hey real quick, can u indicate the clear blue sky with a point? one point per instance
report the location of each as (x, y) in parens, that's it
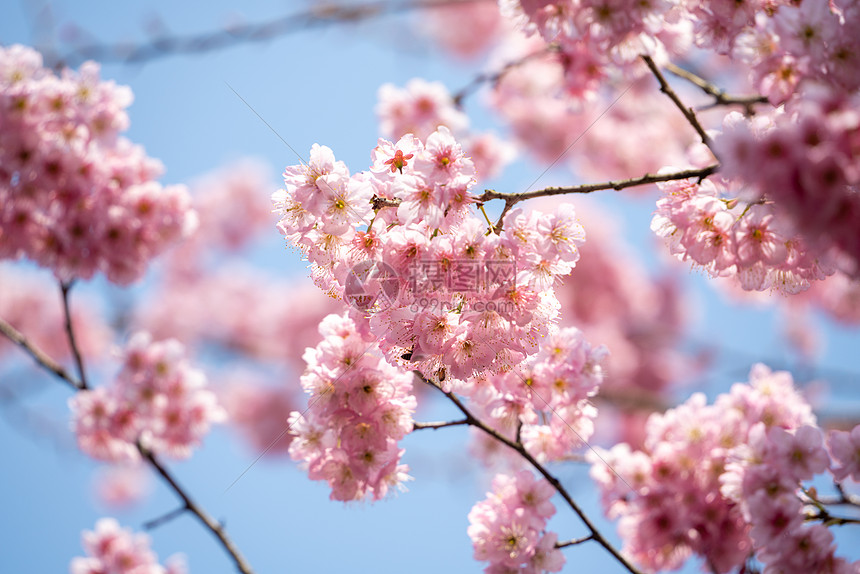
(311, 86)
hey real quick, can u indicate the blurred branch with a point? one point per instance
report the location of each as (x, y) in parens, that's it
(70, 334)
(320, 15)
(721, 98)
(188, 504)
(41, 358)
(494, 77)
(471, 420)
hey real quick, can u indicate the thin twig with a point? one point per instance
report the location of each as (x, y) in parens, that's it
(320, 15)
(475, 422)
(494, 77)
(574, 541)
(44, 360)
(70, 333)
(721, 98)
(688, 112)
(512, 199)
(165, 518)
(41, 358)
(438, 425)
(210, 523)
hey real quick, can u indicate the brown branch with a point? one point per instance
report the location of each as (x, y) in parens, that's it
(438, 425)
(44, 360)
(475, 422)
(688, 112)
(165, 518)
(721, 98)
(512, 199)
(70, 334)
(41, 358)
(188, 504)
(574, 541)
(320, 15)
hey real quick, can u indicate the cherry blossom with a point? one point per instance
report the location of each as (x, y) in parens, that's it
(157, 400)
(76, 196)
(114, 550)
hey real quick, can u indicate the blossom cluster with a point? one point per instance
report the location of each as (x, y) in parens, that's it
(358, 409)
(114, 550)
(723, 481)
(508, 528)
(763, 476)
(709, 224)
(441, 289)
(804, 160)
(157, 400)
(420, 107)
(546, 398)
(788, 45)
(75, 196)
(782, 43)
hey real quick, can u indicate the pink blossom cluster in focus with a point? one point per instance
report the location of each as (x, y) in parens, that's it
(466, 300)
(805, 162)
(359, 408)
(75, 196)
(114, 550)
(710, 224)
(508, 528)
(712, 478)
(157, 399)
(546, 398)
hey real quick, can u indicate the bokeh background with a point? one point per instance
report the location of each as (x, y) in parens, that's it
(319, 84)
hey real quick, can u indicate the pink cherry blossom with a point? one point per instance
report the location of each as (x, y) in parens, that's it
(157, 400)
(76, 196)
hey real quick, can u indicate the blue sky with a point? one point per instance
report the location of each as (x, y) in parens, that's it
(310, 86)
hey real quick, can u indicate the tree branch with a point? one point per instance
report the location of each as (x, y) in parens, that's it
(471, 420)
(688, 112)
(211, 524)
(165, 518)
(320, 15)
(721, 98)
(51, 365)
(512, 199)
(41, 358)
(574, 541)
(70, 334)
(494, 77)
(438, 425)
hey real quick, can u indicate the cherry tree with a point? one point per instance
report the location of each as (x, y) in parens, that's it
(521, 313)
